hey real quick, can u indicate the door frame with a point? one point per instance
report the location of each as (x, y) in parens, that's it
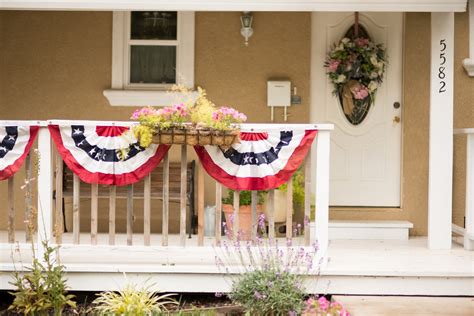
(315, 68)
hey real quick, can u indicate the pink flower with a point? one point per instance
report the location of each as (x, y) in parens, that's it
(361, 42)
(143, 112)
(257, 295)
(323, 303)
(360, 93)
(135, 115)
(333, 64)
(215, 115)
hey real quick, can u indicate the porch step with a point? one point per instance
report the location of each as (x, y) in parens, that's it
(365, 229)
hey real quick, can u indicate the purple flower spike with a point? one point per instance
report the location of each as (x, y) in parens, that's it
(306, 221)
(261, 221)
(257, 295)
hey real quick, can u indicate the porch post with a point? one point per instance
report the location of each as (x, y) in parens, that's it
(45, 189)
(469, 230)
(440, 182)
(322, 191)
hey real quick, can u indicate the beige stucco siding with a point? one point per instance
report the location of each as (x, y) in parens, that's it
(57, 64)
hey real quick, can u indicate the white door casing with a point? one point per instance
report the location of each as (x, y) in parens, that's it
(365, 159)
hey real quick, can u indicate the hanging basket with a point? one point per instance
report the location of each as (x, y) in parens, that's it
(202, 137)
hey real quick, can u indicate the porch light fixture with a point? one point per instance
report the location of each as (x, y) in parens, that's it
(246, 20)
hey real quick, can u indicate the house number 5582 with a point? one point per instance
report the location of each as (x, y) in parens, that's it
(442, 68)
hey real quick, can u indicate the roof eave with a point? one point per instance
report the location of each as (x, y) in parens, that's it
(241, 5)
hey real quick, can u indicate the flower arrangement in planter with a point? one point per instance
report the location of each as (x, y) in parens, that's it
(356, 67)
(192, 123)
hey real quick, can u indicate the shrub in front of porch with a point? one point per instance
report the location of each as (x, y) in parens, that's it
(43, 288)
(133, 300)
(269, 292)
(270, 280)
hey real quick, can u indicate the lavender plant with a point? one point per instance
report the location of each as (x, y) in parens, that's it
(267, 277)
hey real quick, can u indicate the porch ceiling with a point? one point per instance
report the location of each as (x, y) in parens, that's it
(242, 5)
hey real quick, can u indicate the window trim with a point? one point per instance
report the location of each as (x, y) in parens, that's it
(153, 94)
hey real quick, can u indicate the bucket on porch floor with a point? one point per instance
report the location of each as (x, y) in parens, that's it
(209, 221)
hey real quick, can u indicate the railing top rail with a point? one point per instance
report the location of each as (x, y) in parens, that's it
(459, 131)
(22, 123)
(244, 127)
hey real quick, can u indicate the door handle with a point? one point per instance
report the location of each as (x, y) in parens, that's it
(396, 119)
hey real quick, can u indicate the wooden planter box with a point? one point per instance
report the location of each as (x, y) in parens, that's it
(193, 136)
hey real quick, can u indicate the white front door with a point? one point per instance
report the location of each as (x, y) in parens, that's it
(365, 158)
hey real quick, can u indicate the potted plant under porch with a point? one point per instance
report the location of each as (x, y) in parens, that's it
(245, 211)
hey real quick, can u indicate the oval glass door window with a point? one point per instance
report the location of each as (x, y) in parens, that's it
(354, 110)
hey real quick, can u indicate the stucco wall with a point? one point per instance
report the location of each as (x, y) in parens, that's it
(56, 65)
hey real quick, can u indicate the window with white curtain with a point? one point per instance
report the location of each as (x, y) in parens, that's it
(151, 51)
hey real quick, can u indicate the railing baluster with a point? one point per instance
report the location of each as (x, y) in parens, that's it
(200, 205)
(59, 226)
(218, 224)
(289, 209)
(166, 200)
(11, 210)
(76, 209)
(183, 194)
(29, 224)
(235, 228)
(129, 214)
(94, 212)
(307, 198)
(271, 214)
(147, 210)
(254, 215)
(112, 204)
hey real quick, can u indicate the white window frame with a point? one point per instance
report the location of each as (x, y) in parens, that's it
(122, 92)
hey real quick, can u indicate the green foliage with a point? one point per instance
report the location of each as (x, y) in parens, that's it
(43, 288)
(245, 197)
(298, 189)
(268, 292)
(132, 300)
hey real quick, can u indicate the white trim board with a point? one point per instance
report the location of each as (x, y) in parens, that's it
(369, 230)
(242, 5)
(213, 283)
(120, 97)
(468, 63)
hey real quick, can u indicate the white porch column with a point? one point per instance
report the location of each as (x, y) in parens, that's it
(322, 190)
(469, 230)
(441, 131)
(45, 189)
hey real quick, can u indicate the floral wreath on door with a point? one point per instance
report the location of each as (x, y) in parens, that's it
(355, 66)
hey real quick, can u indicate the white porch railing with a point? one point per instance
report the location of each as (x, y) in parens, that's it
(50, 180)
(468, 231)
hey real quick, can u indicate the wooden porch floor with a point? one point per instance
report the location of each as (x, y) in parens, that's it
(382, 267)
